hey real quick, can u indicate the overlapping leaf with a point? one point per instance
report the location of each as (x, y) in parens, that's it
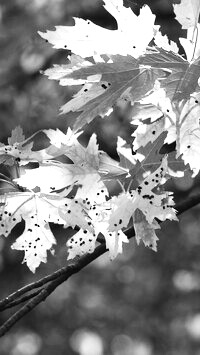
(37, 210)
(181, 124)
(89, 40)
(123, 78)
(187, 12)
(184, 75)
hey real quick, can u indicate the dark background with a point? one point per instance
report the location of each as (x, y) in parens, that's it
(143, 303)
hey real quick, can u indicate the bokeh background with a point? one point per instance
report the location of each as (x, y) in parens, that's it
(143, 303)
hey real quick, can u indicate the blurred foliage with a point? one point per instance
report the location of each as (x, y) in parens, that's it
(143, 303)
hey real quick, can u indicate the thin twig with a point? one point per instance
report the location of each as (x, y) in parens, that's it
(21, 300)
(32, 286)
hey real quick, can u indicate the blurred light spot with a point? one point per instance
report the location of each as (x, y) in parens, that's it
(124, 345)
(190, 227)
(85, 342)
(21, 102)
(186, 281)
(31, 62)
(91, 297)
(193, 326)
(126, 274)
(27, 344)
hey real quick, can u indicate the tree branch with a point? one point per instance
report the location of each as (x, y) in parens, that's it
(21, 300)
(48, 289)
(53, 280)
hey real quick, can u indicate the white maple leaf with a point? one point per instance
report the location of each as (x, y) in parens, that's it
(89, 156)
(187, 12)
(188, 135)
(19, 150)
(163, 42)
(109, 168)
(89, 40)
(81, 243)
(61, 140)
(54, 175)
(85, 241)
(191, 44)
(145, 231)
(114, 242)
(181, 124)
(125, 153)
(37, 210)
(17, 136)
(58, 72)
(153, 205)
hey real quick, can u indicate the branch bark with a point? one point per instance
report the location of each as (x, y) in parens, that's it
(45, 286)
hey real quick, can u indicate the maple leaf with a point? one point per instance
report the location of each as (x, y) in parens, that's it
(191, 44)
(89, 156)
(81, 243)
(152, 205)
(114, 242)
(127, 158)
(54, 175)
(86, 174)
(122, 78)
(19, 150)
(187, 12)
(188, 134)
(145, 231)
(182, 125)
(183, 78)
(37, 210)
(164, 43)
(84, 241)
(89, 40)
